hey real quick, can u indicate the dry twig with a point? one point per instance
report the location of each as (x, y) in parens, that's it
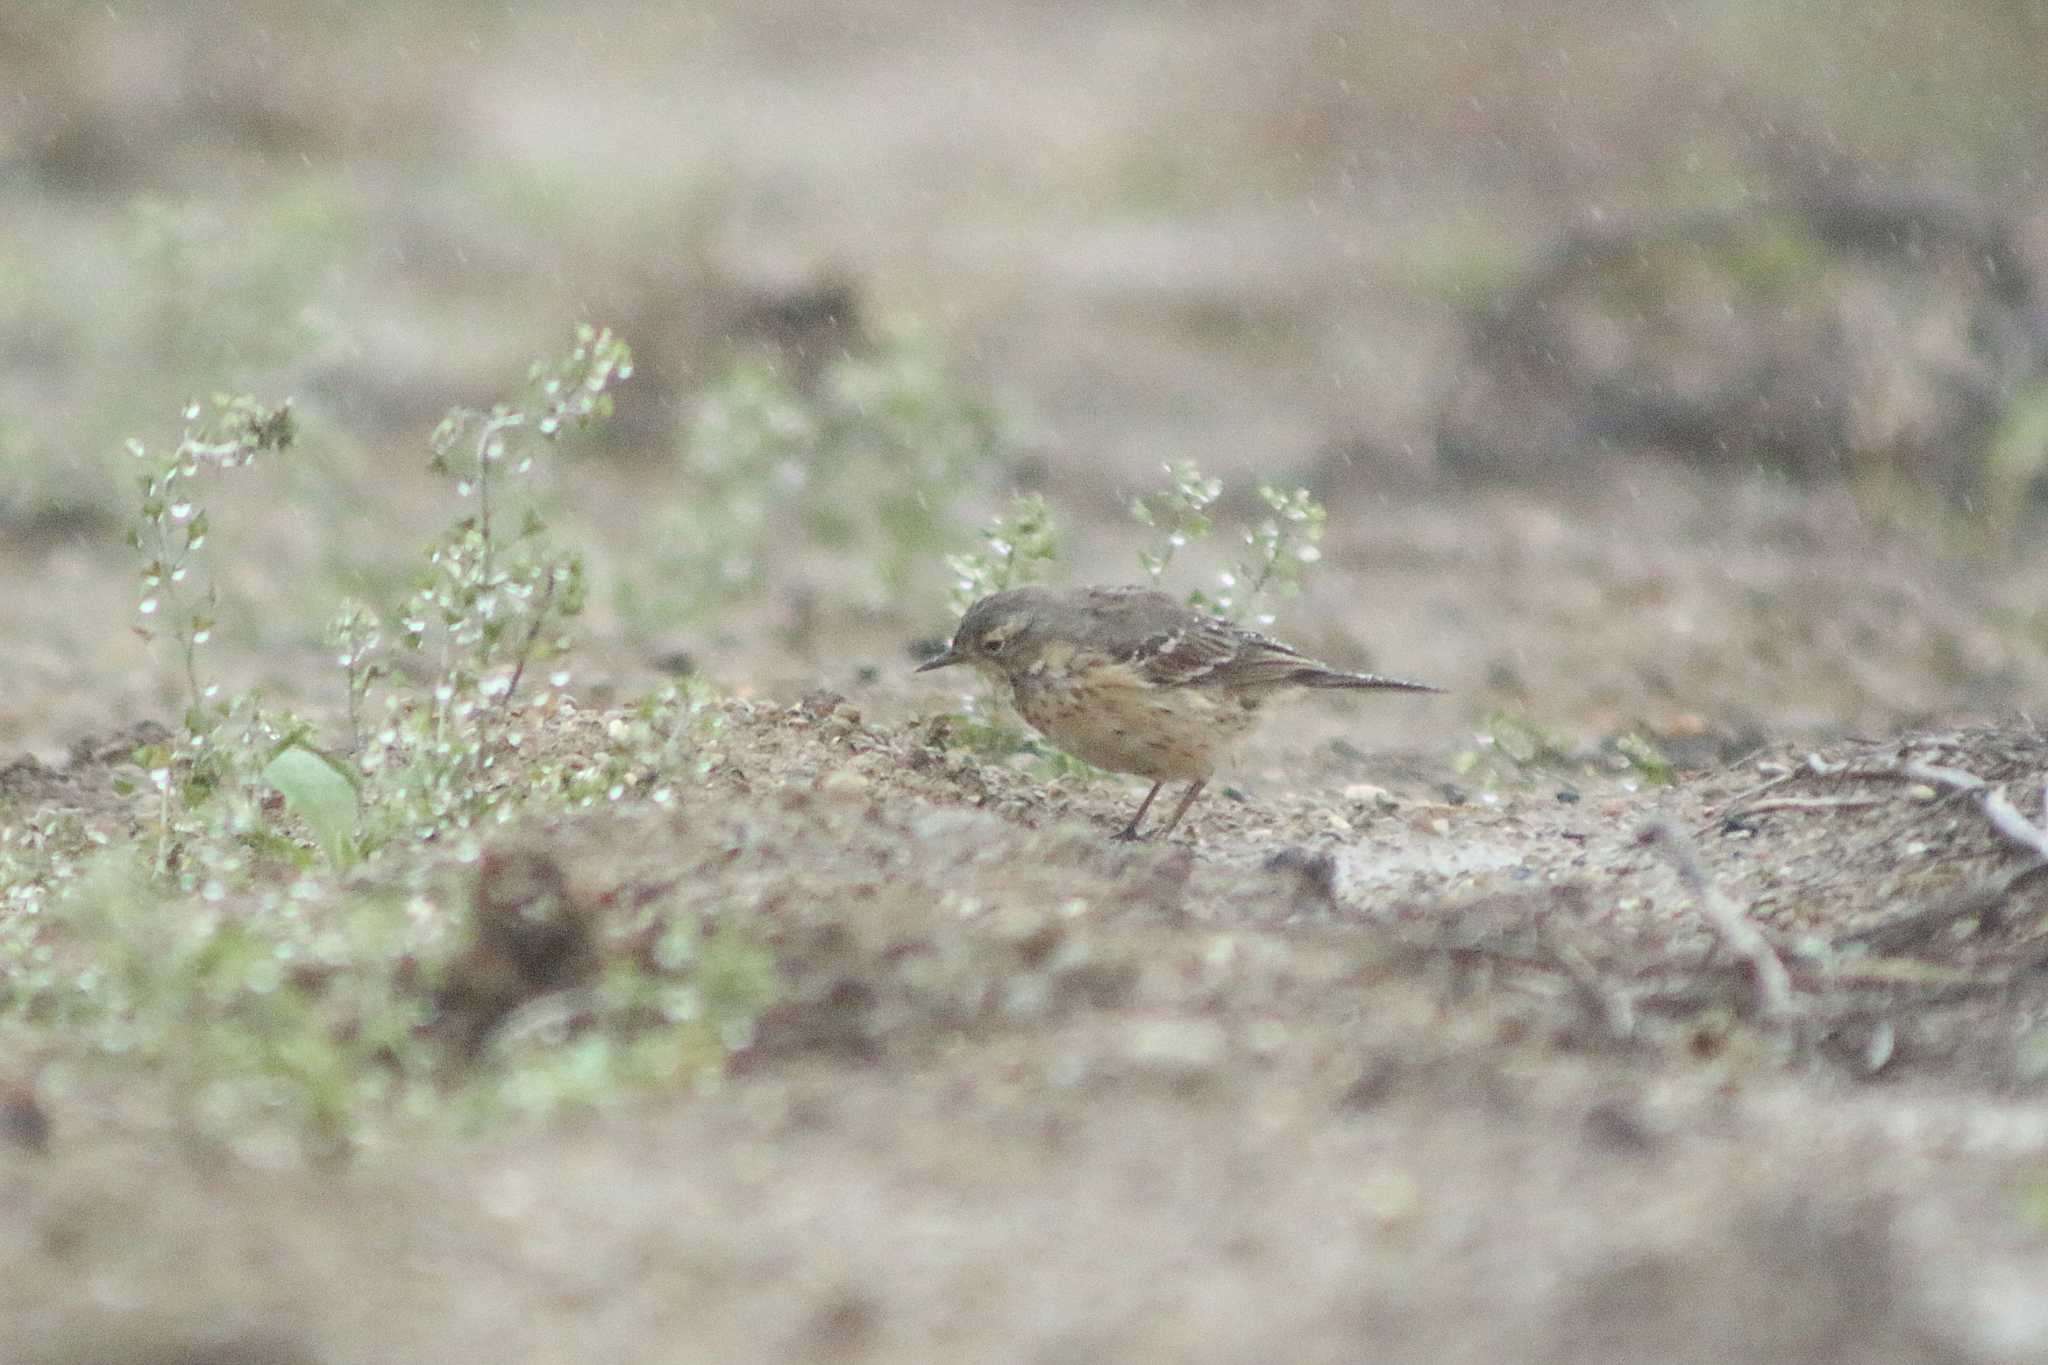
(2004, 818)
(1771, 803)
(1768, 977)
(1611, 1005)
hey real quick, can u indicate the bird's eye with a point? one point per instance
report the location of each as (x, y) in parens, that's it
(995, 644)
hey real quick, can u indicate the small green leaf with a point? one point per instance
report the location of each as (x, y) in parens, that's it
(1646, 759)
(317, 790)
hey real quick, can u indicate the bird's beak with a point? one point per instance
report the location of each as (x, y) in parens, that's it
(947, 660)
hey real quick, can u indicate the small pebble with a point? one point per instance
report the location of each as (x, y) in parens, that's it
(1175, 1049)
(844, 784)
(1389, 1196)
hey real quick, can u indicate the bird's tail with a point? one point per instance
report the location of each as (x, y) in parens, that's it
(1330, 677)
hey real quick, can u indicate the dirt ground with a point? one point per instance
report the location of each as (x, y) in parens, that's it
(1409, 1045)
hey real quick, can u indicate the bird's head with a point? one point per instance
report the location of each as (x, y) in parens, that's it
(997, 633)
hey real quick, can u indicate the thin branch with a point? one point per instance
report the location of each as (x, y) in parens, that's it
(493, 429)
(1771, 803)
(540, 618)
(1768, 977)
(1606, 1002)
(1986, 904)
(2003, 815)
(2006, 819)
(1936, 775)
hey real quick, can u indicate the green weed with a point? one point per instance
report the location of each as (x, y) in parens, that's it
(1016, 549)
(865, 469)
(213, 948)
(1275, 550)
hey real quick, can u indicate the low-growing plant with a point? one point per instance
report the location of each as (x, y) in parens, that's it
(356, 634)
(294, 1017)
(1513, 744)
(1514, 749)
(1276, 550)
(866, 468)
(1179, 513)
(216, 756)
(263, 1024)
(497, 600)
(1016, 549)
(669, 1019)
(269, 999)
(172, 527)
(1641, 756)
(492, 604)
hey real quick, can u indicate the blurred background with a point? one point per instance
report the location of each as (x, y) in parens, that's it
(1680, 369)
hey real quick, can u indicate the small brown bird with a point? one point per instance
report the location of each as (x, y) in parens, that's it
(1134, 681)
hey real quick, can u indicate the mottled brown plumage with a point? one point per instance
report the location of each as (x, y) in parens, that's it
(1131, 680)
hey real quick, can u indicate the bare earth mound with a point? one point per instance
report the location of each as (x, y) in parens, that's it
(1475, 1082)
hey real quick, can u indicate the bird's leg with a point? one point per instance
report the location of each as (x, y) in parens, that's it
(1194, 790)
(1129, 833)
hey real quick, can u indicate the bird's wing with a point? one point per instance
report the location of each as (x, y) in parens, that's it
(1201, 650)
